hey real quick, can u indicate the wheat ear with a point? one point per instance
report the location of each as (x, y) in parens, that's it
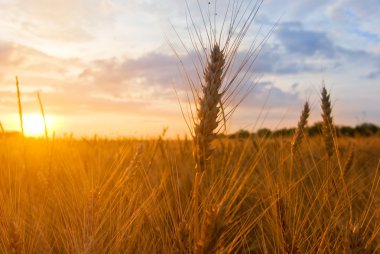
(207, 108)
(327, 124)
(299, 134)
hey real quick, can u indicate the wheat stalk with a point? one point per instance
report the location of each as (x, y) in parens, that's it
(19, 106)
(43, 114)
(90, 220)
(289, 244)
(182, 237)
(2, 129)
(15, 241)
(212, 228)
(349, 163)
(357, 241)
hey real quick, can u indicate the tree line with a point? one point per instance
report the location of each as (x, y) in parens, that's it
(361, 130)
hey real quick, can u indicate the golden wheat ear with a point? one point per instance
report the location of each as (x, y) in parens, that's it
(299, 134)
(327, 124)
(207, 109)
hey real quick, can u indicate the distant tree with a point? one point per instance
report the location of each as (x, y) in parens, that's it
(315, 129)
(243, 134)
(264, 132)
(285, 132)
(346, 131)
(366, 129)
(222, 135)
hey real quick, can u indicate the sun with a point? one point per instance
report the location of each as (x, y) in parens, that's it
(34, 125)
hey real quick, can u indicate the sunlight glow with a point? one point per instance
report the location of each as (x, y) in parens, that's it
(34, 125)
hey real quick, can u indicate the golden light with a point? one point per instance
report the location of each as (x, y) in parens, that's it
(34, 125)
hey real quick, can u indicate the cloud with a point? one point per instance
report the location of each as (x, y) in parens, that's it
(299, 50)
(294, 50)
(138, 86)
(273, 60)
(266, 92)
(302, 7)
(297, 40)
(152, 74)
(5, 53)
(360, 17)
(373, 74)
(350, 8)
(20, 60)
(64, 27)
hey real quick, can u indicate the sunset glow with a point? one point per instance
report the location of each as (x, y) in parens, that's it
(34, 125)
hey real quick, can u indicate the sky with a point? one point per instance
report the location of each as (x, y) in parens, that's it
(121, 67)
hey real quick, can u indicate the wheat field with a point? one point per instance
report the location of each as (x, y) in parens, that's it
(203, 193)
(137, 196)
